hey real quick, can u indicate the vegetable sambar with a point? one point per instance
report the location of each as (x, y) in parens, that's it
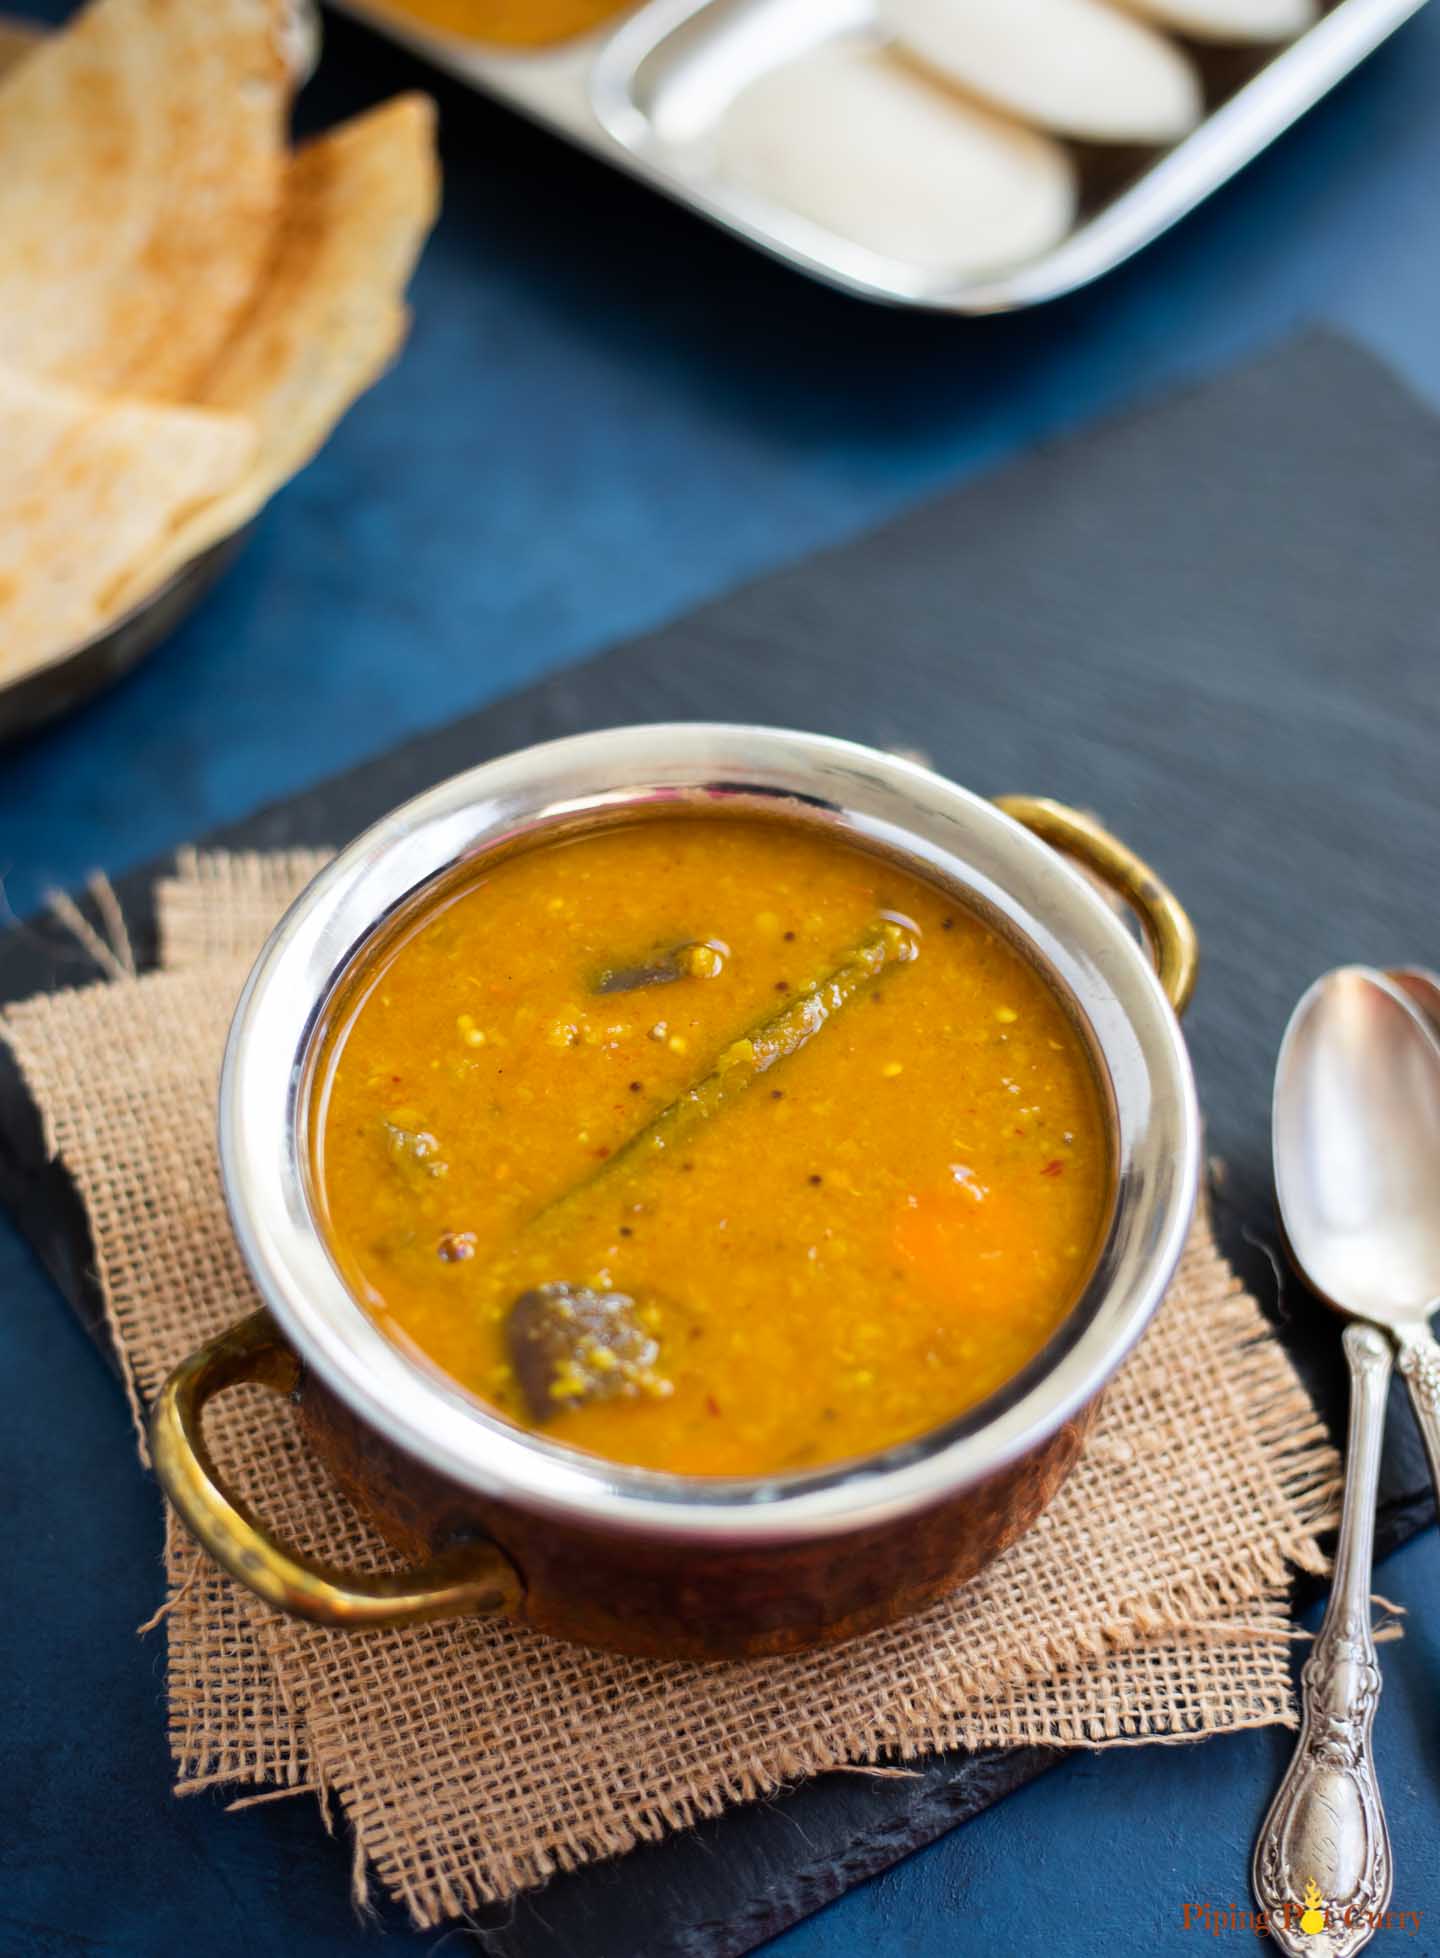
(713, 1145)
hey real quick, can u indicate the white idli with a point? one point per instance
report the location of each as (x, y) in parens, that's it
(877, 153)
(1077, 67)
(1231, 20)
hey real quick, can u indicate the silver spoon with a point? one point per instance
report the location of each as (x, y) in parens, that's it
(1356, 1140)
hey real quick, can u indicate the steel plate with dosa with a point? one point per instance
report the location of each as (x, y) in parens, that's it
(167, 365)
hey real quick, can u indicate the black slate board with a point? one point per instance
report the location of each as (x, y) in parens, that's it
(1217, 622)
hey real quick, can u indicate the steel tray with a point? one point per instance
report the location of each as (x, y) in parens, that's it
(642, 93)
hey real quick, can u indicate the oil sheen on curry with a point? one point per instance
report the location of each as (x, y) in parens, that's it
(712, 1145)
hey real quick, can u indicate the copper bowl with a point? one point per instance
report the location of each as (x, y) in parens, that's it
(493, 1519)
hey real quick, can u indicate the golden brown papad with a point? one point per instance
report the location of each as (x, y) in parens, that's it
(142, 155)
(326, 317)
(88, 486)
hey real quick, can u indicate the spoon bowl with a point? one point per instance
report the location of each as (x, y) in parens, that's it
(1357, 1146)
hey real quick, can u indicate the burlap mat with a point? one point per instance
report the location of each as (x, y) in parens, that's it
(473, 1759)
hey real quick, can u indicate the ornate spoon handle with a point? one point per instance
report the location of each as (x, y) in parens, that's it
(1322, 1861)
(1419, 1362)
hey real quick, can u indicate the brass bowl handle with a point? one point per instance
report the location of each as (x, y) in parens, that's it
(474, 1576)
(1168, 930)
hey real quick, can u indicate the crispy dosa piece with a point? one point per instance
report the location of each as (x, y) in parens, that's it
(88, 486)
(327, 315)
(142, 156)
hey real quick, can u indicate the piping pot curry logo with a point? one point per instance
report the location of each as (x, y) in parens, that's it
(1311, 1915)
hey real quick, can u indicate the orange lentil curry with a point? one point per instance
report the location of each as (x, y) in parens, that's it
(511, 23)
(713, 1145)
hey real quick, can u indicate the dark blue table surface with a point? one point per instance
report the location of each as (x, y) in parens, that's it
(606, 414)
